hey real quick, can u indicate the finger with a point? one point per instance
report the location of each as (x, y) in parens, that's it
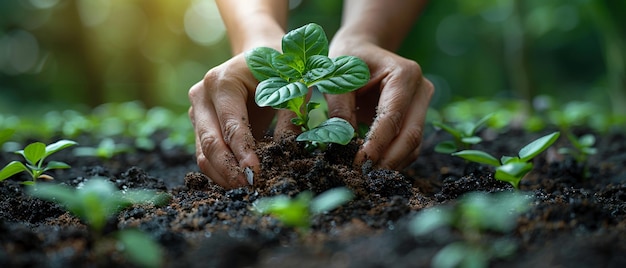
(284, 127)
(232, 115)
(342, 106)
(397, 92)
(404, 149)
(215, 158)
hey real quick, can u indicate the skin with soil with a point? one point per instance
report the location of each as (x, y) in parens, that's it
(573, 221)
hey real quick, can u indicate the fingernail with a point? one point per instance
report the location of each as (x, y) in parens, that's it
(249, 175)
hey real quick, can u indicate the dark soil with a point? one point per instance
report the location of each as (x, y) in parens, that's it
(573, 221)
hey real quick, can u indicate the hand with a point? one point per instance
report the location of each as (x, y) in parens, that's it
(396, 97)
(220, 105)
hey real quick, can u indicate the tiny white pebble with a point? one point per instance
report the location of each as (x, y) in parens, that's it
(249, 175)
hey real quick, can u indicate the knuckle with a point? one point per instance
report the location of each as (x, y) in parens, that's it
(414, 137)
(208, 142)
(428, 88)
(395, 120)
(230, 128)
(410, 68)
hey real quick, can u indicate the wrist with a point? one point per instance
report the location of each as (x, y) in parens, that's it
(263, 34)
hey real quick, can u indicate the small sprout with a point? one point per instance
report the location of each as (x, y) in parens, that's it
(582, 149)
(285, 79)
(464, 135)
(475, 215)
(106, 149)
(510, 168)
(96, 202)
(297, 212)
(35, 154)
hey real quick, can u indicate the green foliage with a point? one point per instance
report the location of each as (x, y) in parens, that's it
(107, 148)
(464, 135)
(96, 202)
(35, 154)
(511, 168)
(5, 135)
(128, 121)
(285, 79)
(297, 212)
(582, 148)
(140, 248)
(474, 216)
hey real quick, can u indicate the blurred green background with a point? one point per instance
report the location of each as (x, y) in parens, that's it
(78, 54)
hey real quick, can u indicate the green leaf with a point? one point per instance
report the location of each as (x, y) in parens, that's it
(53, 192)
(471, 140)
(57, 146)
(305, 42)
(587, 140)
(318, 67)
(480, 123)
(350, 74)
(311, 106)
(335, 130)
(478, 157)
(140, 248)
(56, 165)
(430, 219)
(11, 169)
(513, 172)
(276, 91)
(330, 200)
(292, 212)
(588, 150)
(289, 66)
(509, 159)
(446, 147)
(534, 148)
(454, 132)
(260, 62)
(33, 152)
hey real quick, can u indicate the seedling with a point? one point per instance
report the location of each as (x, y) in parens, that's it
(464, 135)
(35, 154)
(285, 79)
(96, 202)
(107, 148)
(297, 212)
(474, 216)
(512, 168)
(582, 149)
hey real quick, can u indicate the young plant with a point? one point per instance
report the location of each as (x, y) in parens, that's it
(475, 216)
(512, 168)
(297, 212)
(464, 135)
(106, 149)
(35, 154)
(582, 149)
(96, 202)
(285, 79)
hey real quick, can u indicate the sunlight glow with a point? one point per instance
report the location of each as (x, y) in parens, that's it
(203, 23)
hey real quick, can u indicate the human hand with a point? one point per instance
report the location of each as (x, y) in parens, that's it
(396, 97)
(220, 108)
